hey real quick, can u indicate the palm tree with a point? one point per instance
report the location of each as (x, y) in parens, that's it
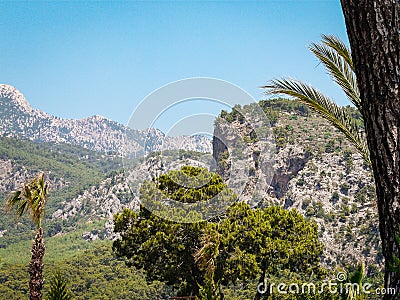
(336, 57)
(32, 198)
(353, 290)
(206, 257)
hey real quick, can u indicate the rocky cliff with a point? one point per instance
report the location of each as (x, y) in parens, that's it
(317, 172)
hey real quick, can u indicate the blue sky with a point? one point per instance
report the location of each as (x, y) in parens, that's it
(76, 59)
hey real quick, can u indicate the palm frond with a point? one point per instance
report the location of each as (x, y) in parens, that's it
(39, 198)
(336, 58)
(23, 206)
(321, 104)
(358, 275)
(336, 44)
(32, 198)
(206, 256)
(16, 202)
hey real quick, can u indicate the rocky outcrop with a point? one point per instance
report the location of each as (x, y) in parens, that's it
(11, 98)
(13, 176)
(100, 202)
(117, 192)
(318, 173)
(289, 161)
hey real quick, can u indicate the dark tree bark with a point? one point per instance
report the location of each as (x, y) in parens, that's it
(36, 267)
(262, 283)
(373, 27)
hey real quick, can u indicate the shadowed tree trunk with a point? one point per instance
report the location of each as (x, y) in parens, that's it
(373, 27)
(264, 291)
(36, 267)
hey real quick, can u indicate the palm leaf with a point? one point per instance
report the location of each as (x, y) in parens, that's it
(16, 202)
(39, 198)
(336, 44)
(321, 104)
(336, 58)
(23, 206)
(206, 256)
(32, 198)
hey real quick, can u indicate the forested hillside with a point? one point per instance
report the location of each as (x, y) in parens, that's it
(70, 170)
(319, 173)
(316, 172)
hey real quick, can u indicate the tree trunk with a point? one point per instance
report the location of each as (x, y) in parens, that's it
(373, 27)
(36, 267)
(265, 287)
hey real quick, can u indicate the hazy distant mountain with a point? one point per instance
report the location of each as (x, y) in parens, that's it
(18, 119)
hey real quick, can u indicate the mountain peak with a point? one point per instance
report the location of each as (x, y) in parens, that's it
(96, 118)
(18, 119)
(10, 93)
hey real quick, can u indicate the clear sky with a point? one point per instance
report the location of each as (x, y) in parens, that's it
(76, 59)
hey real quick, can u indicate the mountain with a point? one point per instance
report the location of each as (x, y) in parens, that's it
(81, 158)
(18, 119)
(315, 171)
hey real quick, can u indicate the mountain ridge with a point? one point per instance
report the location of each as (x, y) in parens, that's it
(18, 119)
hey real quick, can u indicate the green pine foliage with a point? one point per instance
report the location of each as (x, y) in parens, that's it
(267, 241)
(80, 167)
(58, 287)
(200, 258)
(58, 248)
(164, 248)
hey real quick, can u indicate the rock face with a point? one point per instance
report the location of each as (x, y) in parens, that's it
(245, 163)
(18, 119)
(320, 174)
(13, 176)
(13, 98)
(289, 162)
(117, 192)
